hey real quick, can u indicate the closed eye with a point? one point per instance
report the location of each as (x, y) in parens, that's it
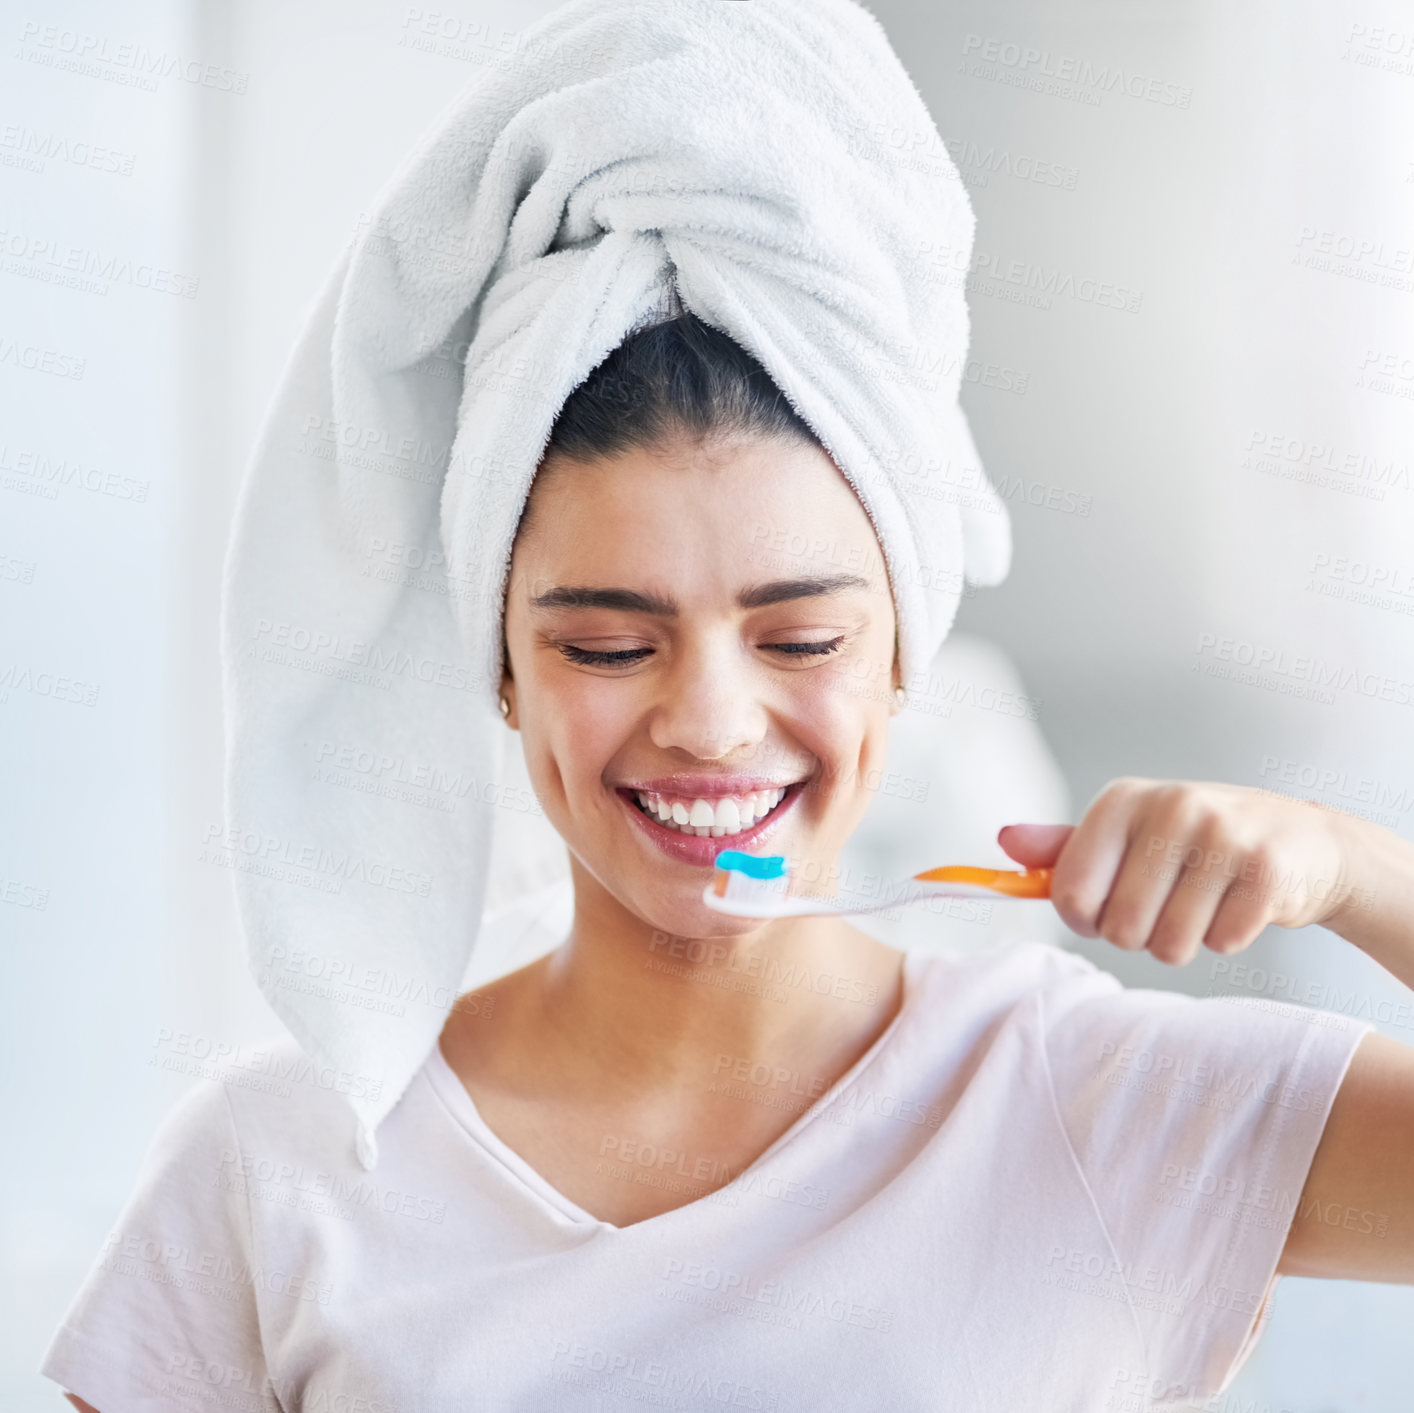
(602, 659)
(629, 655)
(803, 649)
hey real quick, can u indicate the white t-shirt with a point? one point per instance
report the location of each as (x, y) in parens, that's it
(1037, 1190)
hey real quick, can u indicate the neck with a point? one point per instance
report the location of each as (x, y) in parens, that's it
(622, 1006)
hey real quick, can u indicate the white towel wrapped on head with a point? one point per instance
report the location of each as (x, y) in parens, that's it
(767, 165)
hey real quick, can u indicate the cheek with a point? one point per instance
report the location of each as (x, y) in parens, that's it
(849, 709)
(569, 741)
(866, 672)
(848, 733)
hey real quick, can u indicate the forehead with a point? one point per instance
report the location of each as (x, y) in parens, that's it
(746, 508)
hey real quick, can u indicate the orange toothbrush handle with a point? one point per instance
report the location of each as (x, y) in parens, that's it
(1033, 883)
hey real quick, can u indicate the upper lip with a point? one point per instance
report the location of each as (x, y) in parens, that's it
(708, 787)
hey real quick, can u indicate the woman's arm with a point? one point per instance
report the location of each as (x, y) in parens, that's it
(1378, 914)
(1356, 1216)
(80, 1404)
(1172, 866)
(1355, 1219)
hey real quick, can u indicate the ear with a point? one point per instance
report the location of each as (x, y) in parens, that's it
(508, 695)
(507, 691)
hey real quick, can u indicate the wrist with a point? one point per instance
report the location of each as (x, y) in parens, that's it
(1372, 904)
(1355, 889)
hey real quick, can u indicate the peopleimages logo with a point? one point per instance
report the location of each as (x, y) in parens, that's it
(36, 359)
(171, 1263)
(318, 650)
(81, 52)
(748, 1288)
(1217, 1079)
(220, 1059)
(233, 841)
(1304, 459)
(56, 261)
(33, 149)
(1328, 780)
(1275, 664)
(385, 983)
(1028, 67)
(356, 1191)
(21, 677)
(629, 1375)
(46, 474)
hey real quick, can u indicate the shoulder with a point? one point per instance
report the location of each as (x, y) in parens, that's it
(259, 1092)
(1084, 1020)
(1011, 977)
(992, 1005)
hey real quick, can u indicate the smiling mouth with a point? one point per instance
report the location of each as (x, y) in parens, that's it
(704, 819)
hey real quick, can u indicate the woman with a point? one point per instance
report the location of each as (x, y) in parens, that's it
(697, 1160)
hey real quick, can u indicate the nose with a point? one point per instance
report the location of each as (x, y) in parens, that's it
(709, 704)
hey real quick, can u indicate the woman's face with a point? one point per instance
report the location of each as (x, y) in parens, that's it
(699, 623)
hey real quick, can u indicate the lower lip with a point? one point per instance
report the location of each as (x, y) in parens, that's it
(702, 849)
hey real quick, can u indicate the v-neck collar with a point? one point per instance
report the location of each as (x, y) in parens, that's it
(454, 1094)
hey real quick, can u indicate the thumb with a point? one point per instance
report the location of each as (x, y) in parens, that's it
(1034, 845)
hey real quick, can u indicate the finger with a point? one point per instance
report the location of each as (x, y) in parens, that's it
(1145, 881)
(1086, 866)
(1242, 915)
(1034, 845)
(1183, 921)
(1136, 898)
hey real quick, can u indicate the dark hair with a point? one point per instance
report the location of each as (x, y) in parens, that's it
(681, 377)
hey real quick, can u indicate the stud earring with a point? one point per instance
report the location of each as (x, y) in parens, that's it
(506, 707)
(900, 696)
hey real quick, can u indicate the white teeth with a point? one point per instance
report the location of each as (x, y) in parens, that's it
(729, 815)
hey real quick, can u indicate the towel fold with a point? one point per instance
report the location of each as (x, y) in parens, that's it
(765, 164)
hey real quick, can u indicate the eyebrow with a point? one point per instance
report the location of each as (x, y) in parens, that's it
(661, 606)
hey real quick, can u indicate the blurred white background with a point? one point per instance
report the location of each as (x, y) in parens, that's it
(1218, 473)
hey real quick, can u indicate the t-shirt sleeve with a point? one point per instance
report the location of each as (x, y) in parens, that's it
(167, 1317)
(1194, 1123)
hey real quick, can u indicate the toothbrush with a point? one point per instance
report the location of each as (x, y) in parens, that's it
(752, 885)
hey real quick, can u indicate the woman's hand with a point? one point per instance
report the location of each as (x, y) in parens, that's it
(1174, 865)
